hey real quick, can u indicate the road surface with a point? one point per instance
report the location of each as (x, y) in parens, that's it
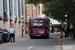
(53, 43)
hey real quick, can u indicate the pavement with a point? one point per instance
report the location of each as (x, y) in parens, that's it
(17, 39)
(35, 44)
(65, 43)
(68, 44)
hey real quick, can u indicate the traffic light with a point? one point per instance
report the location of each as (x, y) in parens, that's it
(65, 15)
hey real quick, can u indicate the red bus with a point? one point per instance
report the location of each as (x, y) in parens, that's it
(39, 27)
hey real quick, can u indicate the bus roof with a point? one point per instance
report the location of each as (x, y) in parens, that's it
(38, 18)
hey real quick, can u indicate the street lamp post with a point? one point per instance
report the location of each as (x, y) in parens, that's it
(22, 25)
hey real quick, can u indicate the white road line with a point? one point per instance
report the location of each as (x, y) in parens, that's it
(30, 47)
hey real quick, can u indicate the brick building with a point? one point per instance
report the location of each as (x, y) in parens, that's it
(32, 11)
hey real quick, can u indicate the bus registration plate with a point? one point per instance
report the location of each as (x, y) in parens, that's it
(39, 35)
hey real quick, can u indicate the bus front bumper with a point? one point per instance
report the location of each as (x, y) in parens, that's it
(39, 35)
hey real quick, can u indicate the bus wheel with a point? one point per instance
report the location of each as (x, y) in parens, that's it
(47, 37)
(31, 37)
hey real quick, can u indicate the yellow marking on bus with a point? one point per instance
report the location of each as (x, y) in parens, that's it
(38, 35)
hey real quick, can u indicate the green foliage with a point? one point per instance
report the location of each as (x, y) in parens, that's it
(56, 9)
(73, 0)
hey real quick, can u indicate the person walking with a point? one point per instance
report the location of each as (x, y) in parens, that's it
(11, 31)
(71, 30)
(68, 30)
(26, 31)
(50, 29)
(65, 30)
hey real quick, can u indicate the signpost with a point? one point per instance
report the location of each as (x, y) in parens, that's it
(11, 24)
(22, 25)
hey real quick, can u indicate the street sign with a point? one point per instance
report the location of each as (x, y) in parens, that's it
(11, 24)
(23, 27)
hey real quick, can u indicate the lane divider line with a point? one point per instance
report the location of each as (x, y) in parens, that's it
(59, 44)
(30, 47)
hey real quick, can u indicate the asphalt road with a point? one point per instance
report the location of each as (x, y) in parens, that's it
(36, 44)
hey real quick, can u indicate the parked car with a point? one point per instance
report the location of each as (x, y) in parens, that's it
(5, 35)
(0, 38)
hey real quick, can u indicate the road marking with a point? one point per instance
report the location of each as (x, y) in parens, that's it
(25, 39)
(59, 45)
(30, 47)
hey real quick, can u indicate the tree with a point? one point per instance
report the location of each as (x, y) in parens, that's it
(56, 8)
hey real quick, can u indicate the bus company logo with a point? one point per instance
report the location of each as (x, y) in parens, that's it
(35, 31)
(41, 31)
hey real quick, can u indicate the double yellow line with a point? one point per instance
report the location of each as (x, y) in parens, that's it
(59, 44)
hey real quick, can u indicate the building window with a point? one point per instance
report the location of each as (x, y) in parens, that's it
(15, 8)
(5, 8)
(10, 7)
(22, 8)
(19, 8)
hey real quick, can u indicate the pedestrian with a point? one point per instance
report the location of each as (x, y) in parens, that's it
(65, 30)
(26, 31)
(62, 34)
(50, 29)
(68, 30)
(71, 30)
(12, 35)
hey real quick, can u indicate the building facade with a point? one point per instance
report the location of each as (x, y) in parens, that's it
(16, 13)
(32, 11)
(11, 12)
